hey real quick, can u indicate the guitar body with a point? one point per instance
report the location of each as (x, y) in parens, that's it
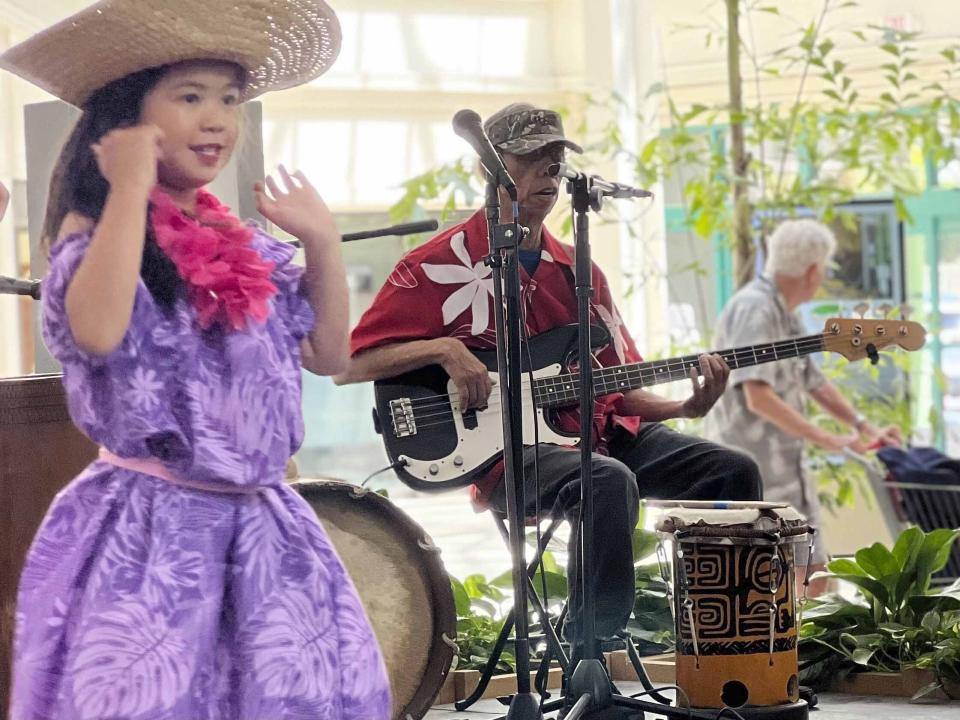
(419, 416)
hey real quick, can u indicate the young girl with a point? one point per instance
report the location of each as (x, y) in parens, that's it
(177, 577)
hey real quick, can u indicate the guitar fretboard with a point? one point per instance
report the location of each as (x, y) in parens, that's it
(564, 389)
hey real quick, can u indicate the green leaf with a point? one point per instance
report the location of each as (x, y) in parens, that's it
(835, 612)
(478, 588)
(933, 555)
(845, 566)
(556, 583)
(644, 544)
(460, 597)
(868, 585)
(893, 628)
(927, 690)
(931, 621)
(907, 546)
(655, 88)
(827, 309)
(902, 212)
(877, 561)
(646, 155)
(550, 563)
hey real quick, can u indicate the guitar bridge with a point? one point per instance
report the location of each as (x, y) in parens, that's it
(404, 422)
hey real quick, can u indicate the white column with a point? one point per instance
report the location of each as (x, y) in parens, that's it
(636, 68)
(10, 151)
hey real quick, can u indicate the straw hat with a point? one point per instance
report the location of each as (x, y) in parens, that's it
(281, 43)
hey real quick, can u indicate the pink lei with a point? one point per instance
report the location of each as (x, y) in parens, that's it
(227, 280)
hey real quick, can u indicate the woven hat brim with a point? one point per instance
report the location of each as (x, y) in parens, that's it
(280, 43)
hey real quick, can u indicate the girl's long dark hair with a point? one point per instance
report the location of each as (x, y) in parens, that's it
(77, 185)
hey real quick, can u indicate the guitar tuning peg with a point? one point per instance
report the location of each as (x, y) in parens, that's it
(885, 309)
(905, 312)
(861, 309)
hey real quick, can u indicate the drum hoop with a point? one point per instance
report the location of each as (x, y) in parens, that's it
(737, 534)
(701, 540)
(441, 654)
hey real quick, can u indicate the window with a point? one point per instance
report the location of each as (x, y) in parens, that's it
(379, 117)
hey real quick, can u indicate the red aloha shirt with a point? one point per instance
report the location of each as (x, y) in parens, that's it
(443, 289)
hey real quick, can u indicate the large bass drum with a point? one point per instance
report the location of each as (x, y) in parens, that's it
(402, 583)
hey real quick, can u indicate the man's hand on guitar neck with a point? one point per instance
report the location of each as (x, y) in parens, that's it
(654, 408)
(715, 373)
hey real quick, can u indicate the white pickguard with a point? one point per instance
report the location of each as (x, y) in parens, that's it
(476, 445)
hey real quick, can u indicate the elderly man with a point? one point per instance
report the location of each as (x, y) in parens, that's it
(763, 414)
(449, 287)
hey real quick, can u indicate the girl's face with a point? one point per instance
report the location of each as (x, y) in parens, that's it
(197, 105)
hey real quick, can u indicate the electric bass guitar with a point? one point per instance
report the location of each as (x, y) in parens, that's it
(437, 446)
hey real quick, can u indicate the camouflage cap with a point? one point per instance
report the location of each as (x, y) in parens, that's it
(521, 128)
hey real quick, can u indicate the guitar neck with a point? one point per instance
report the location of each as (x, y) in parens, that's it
(563, 389)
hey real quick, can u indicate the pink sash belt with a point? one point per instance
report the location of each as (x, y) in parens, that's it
(155, 468)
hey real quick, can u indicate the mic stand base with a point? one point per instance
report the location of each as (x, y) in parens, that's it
(592, 688)
(524, 706)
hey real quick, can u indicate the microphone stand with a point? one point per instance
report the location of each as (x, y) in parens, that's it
(589, 684)
(504, 240)
(590, 687)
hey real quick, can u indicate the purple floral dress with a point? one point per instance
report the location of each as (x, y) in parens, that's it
(145, 600)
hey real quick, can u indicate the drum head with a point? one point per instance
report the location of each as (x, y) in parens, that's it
(401, 582)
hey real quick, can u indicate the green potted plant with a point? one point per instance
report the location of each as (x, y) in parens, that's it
(895, 624)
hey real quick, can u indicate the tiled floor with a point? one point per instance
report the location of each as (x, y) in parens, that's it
(832, 707)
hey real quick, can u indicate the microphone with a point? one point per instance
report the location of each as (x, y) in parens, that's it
(467, 124)
(615, 190)
(12, 286)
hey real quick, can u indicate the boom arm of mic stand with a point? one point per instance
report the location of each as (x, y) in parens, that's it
(31, 288)
(402, 229)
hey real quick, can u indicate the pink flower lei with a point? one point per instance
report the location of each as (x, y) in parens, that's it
(227, 280)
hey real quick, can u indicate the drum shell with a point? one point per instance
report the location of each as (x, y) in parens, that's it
(401, 582)
(729, 586)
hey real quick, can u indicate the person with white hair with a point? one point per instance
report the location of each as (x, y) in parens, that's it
(762, 413)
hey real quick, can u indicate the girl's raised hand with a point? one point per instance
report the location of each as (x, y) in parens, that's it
(128, 157)
(297, 208)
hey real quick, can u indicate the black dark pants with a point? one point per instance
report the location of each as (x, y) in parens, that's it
(658, 463)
